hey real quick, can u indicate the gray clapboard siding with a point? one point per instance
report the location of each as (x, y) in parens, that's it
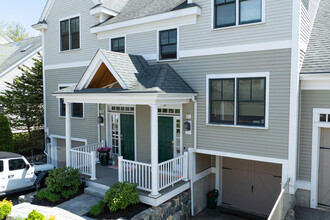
(309, 100)
(89, 43)
(188, 139)
(81, 128)
(143, 133)
(277, 27)
(142, 43)
(270, 143)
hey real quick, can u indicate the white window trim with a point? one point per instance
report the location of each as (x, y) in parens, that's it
(177, 44)
(114, 37)
(236, 76)
(59, 103)
(263, 16)
(59, 33)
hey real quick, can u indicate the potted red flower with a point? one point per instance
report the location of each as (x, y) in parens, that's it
(104, 155)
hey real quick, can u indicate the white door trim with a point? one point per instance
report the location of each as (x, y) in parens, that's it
(317, 125)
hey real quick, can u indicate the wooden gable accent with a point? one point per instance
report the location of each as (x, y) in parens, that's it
(103, 78)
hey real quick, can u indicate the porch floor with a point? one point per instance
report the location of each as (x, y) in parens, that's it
(106, 175)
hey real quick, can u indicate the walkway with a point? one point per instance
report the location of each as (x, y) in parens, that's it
(73, 209)
(302, 213)
(215, 214)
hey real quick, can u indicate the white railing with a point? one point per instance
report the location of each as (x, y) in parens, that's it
(91, 147)
(135, 172)
(169, 172)
(283, 203)
(172, 171)
(84, 161)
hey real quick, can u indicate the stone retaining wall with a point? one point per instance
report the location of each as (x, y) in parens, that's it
(177, 208)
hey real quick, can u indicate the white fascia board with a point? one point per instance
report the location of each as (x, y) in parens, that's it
(21, 61)
(40, 27)
(149, 19)
(46, 10)
(92, 69)
(102, 10)
(319, 76)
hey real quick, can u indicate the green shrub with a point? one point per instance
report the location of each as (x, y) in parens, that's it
(120, 195)
(18, 218)
(6, 137)
(34, 215)
(5, 208)
(97, 208)
(64, 181)
(46, 194)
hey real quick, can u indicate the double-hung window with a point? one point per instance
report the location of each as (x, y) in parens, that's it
(236, 12)
(237, 101)
(118, 44)
(77, 109)
(70, 34)
(168, 44)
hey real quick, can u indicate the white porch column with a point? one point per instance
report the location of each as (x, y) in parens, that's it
(68, 131)
(154, 150)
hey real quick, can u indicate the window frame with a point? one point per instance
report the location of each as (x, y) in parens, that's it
(59, 103)
(237, 76)
(177, 44)
(117, 38)
(60, 36)
(237, 23)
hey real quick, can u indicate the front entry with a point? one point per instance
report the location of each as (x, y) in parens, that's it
(165, 138)
(127, 136)
(324, 168)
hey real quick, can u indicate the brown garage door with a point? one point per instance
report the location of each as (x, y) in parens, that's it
(250, 186)
(61, 153)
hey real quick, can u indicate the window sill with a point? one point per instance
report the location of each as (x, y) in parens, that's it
(237, 26)
(68, 51)
(73, 117)
(236, 126)
(169, 60)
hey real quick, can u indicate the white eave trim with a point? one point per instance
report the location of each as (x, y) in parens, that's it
(46, 10)
(102, 10)
(149, 19)
(315, 76)
(40, 27)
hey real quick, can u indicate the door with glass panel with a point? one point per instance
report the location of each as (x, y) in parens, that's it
(115, 133)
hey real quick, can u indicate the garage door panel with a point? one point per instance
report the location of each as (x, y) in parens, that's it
(266, 191)
(61, 150)
(237, 164)
(268, 168)
(237, 189)
(324, 177)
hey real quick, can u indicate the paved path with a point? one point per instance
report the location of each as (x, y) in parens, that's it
(215, 214)
(73, 209)
(302, 213)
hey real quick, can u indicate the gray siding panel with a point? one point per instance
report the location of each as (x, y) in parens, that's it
(89, 43)
(188, 139)
(309, 100)
(277, 27)
(81, 128)
(142, 43)
(143, 133)
(269, 143)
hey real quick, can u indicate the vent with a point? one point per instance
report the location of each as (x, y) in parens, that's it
(27, 47)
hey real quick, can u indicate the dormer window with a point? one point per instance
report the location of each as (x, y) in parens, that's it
(236, 12)
(70, 34)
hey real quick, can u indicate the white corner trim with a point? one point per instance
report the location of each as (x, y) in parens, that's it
(274, 45)
(305, 185)
(29, 56)
(238, 76)
(66, 65)
(92, 69)
(149, 19)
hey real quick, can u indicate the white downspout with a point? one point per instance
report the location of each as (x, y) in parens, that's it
(195, 122)
(192, 163)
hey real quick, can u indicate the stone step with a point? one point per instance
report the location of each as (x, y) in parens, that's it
(95, 191)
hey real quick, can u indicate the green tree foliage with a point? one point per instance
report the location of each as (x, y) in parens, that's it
(15, 31)
(6, 137)
(23, 100)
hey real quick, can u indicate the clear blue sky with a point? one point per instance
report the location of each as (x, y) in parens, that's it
(26, 12)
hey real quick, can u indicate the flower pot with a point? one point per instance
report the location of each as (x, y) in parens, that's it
(104, 158)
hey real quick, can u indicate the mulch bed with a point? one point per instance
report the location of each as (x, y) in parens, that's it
(45, 202)
(127, 213)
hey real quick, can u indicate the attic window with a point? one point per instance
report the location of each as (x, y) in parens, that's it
(27, 47)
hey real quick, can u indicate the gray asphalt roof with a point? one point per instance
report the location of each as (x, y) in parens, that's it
(141, 8)
(115, 5)
(317, 58)
(139, 76)
(11, 53)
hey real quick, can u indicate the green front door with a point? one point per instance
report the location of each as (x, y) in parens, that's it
(165, 138)
(127, 136)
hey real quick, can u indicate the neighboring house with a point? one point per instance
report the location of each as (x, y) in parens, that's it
(4, 39)
(197, 94)
(14, 55)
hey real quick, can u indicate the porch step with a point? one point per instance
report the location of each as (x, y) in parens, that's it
(96, 189)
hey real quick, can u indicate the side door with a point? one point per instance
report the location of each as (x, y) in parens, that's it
(165, 138)
(19, 176)
(127, 136)
(3, 177)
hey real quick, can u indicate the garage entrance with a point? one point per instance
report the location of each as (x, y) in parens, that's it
(324, 169)
(250, 186)
(60, 150)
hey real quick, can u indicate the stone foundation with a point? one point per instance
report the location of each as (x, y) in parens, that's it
(178, 208)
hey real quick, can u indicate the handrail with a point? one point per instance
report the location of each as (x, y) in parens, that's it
(282, 204)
